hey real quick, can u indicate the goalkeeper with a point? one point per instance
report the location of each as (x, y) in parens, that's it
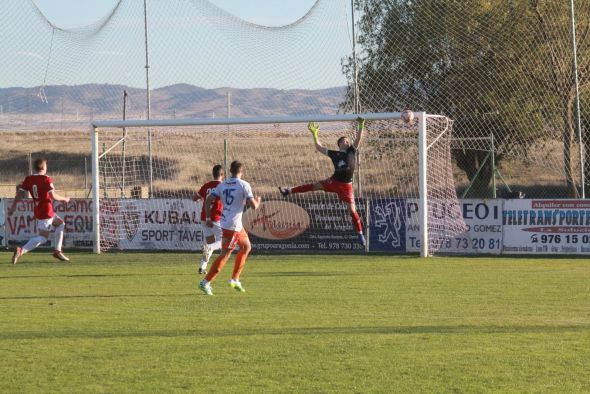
(344, 160)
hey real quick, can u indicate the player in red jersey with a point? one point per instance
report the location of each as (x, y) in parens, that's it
(41, 188)
(212, 234)
(344, 160)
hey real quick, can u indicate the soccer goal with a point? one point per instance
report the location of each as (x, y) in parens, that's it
(146, 172)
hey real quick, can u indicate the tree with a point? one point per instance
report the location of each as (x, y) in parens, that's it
(552, 22)
(480, 62)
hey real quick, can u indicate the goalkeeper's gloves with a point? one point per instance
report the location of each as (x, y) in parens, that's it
(314, 128)
(361, 122)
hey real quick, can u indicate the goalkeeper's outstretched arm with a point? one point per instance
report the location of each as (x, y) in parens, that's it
(314, 128)
(359, 133)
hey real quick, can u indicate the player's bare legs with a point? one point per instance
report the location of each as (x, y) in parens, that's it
(311, 187)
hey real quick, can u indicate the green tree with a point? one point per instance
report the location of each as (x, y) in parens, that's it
(480, 62)
(552, 25)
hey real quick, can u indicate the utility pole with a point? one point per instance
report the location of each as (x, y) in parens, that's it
(148, 99)
(577, 82)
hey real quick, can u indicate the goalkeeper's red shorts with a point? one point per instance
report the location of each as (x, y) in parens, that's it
(343, 189)
(232, 238)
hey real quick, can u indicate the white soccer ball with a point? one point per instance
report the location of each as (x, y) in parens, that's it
(407, 116)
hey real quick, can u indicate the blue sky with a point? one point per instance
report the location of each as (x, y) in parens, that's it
(76, 13)
(189, 43)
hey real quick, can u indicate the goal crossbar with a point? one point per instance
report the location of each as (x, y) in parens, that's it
(253, 120)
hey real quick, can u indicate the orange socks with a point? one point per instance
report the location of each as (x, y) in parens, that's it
(217, 266)
(239, 264)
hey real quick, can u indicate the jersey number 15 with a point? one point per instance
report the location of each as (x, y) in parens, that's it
(228, 194)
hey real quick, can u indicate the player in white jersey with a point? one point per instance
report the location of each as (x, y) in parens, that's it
(235, 194)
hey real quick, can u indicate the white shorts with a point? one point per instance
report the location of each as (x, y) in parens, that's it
(212, 231)
(45, 224)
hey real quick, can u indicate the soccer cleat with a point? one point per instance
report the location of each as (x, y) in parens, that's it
(362, 240)
(285, 191)
(60, 256)
(205, 287)
(202, 271)
(237, 285)
(17, 253)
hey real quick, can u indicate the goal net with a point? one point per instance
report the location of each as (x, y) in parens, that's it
(148, 172)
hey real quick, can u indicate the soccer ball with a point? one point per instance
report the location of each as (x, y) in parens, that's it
(407, 116)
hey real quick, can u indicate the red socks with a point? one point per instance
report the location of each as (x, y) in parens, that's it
(356, 222)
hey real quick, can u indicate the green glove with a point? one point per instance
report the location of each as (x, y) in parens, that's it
(361, 122)
(314, 128)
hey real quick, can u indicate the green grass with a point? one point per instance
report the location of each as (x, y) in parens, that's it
(137, 323)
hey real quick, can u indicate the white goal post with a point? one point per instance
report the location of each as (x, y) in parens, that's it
(424, 142)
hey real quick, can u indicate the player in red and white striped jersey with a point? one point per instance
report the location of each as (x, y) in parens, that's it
(41, 188)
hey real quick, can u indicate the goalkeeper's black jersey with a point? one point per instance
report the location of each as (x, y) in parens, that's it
(344, 163)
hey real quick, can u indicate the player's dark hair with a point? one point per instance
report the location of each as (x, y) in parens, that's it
(341, 139)
(38, 164)
(235, 167)
(217, 169)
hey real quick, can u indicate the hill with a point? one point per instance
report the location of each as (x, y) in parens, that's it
(60, 106)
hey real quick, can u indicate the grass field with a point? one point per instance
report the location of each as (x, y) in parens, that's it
(137, 323)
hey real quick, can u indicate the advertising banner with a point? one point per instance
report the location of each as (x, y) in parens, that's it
(308, 225)
(303, 225)
(77, 216)
(546, 226)
(158, 224)
(387, 225)
(483, 220)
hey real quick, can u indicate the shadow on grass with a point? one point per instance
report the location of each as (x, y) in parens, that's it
(158, 274)
(245, 332)
(258, 274)
(66, 297)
